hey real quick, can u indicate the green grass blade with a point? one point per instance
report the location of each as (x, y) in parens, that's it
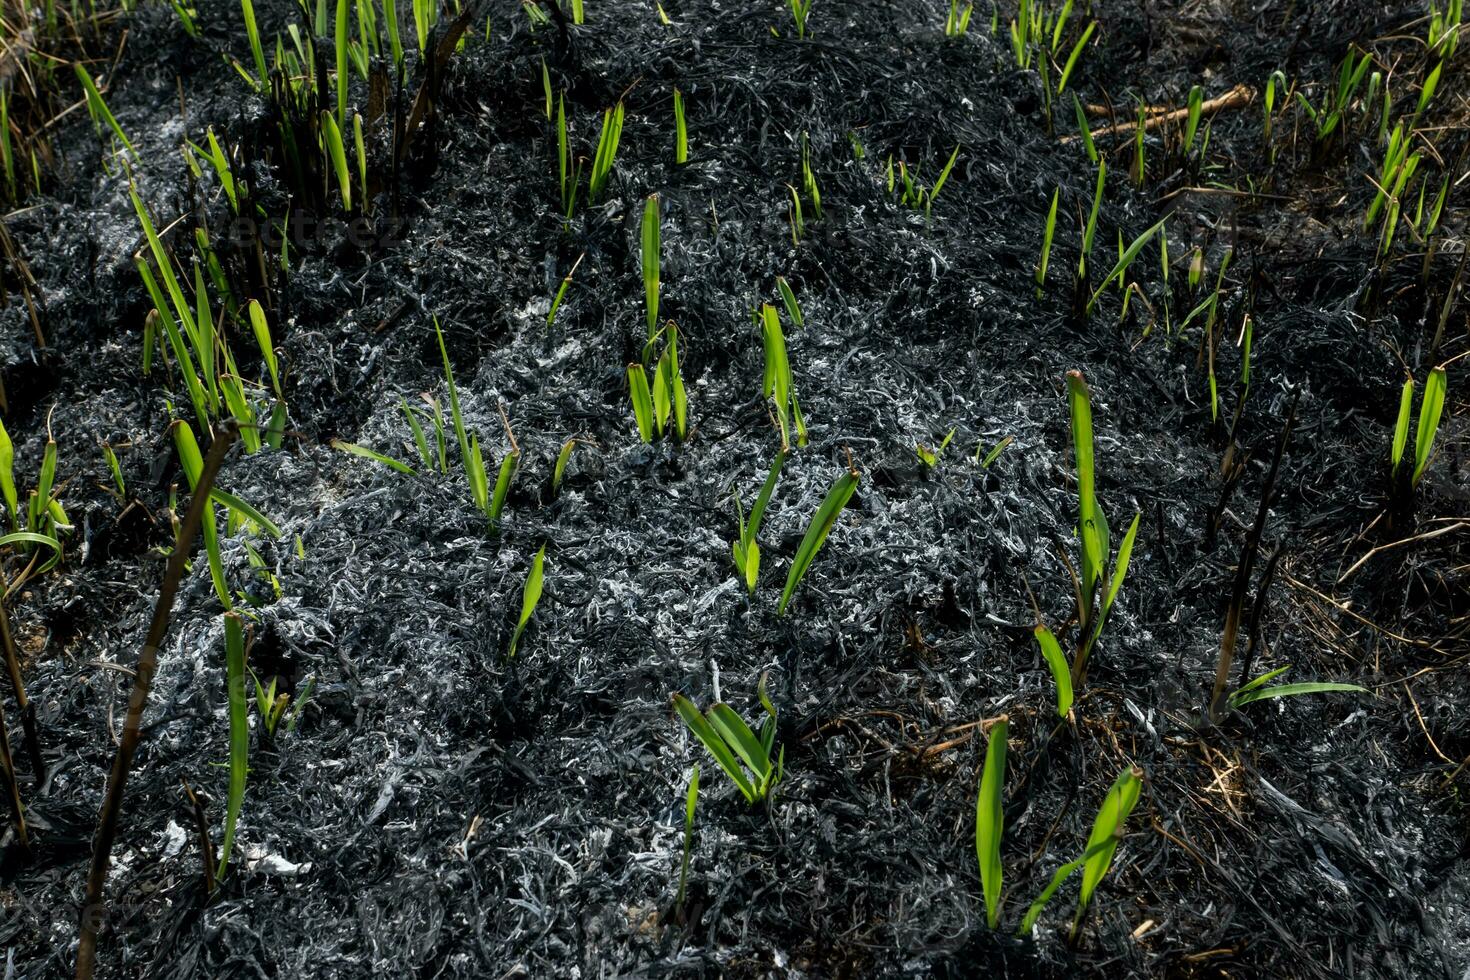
(30, 537)
(701, 729)
(763, 499)
(1107, 831)
(738, 736)
(1083, 130)
(1244, 696)
(530, 596)
(1261, 681)
(1431, 407)
(502, 483)
(1079, 401)
(1061, 672)
(943, 175)
(1126, 259)
(1057, 879)
(263, 339)
(239, 731)
(650, 256)
(691, 801)
(7, 475)
(562, 458)
(246, 511)
(816, 534)
(788, 298)
(681, 131)
(642, 401)
(1120, 569)
(990, 821)
(100, 112)
(1046, 241)
(374, 455)
(342, 73)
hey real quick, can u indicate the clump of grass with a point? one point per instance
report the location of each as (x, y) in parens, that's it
(1406, 472)
(745, 756)
(42, 522)
(239, 513)
(911, 191)
(1096, 858)
(607, 152)
(809, 190)
(1444, 28)
(930, 457)
(132, 732)
(1327, 119)
(472, 459)
(182, 323)
(663, 400)
(800, 11)
(957, 21)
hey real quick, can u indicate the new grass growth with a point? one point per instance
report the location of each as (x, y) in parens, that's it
(1102, 572)
(530, 597)
(1096, 857)
(745, 756)
(777, 387)
(1405, 472)
(816, 532)
(660, 405)
(746, 550)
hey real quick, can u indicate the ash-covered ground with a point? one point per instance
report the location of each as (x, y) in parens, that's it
(441, 809)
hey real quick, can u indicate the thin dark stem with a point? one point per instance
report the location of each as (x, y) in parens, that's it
(1231, 631)
(93, 908)
(22, 703)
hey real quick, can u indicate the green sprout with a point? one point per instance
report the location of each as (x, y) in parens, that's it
(681, 130)
(649, 252)
(776, 383)
(816, 532)
(990, 820)
(607, 152)
(1431, 409)
(1102, 572)
(746, 551)
(957, 22)
(530, 596)
(742, 754)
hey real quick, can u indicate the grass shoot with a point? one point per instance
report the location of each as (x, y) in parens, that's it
(742, 754)
(816, 533)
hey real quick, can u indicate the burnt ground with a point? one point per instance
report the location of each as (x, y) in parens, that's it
(442, 810)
